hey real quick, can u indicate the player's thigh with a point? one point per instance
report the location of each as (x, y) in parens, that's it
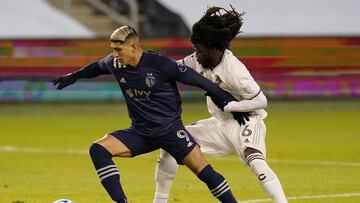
(178, 142)
(126, 143)
(250, 135)
(208, 135)
(114, 146)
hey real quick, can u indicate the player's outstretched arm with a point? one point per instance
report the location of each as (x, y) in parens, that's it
(91, 70)
(220, 97)
(189, 76)
(64, 81)
(186, 75)
(259, 101)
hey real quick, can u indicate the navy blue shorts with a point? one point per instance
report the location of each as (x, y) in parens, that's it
(178, 142)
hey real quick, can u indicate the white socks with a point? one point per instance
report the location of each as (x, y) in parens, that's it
(164, 175)
(167, 168)
(267, 178)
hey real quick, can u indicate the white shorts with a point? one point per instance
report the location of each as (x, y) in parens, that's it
(220, 138)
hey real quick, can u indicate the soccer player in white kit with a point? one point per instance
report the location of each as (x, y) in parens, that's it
(221, 134)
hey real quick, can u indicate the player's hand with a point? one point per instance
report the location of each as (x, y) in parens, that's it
(64, 81)
(217, 101)
(241, 117)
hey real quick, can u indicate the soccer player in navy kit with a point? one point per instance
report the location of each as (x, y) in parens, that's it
(148, 82)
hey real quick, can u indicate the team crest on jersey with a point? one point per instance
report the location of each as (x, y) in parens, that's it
(182, 67)
(150, 80)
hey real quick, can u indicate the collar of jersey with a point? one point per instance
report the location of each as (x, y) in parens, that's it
(138, 66)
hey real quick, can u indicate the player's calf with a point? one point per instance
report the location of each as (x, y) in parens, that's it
(217, 184)
(164, 175)
(107, 172)
(265, 175)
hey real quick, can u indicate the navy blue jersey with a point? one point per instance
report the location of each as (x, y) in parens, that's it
(150, 89)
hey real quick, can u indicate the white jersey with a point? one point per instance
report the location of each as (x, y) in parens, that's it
(231, 75)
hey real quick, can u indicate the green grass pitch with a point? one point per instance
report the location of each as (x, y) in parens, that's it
(313, 146)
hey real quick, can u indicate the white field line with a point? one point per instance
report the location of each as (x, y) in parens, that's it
(306, 162)
(42, 150)
(85, 152)
(324, 196)
(315, 162)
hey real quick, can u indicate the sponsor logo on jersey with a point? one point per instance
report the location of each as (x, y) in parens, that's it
(135, 93)
(150, 80)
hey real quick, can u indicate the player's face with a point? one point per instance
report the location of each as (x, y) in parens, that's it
(123, 51)
(203, 56)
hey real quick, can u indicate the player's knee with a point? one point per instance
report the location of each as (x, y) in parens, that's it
(249, 151)
(96, 150)
(195, 161)
(166, 167)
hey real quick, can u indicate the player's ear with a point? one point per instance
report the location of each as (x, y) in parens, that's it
(134, 45)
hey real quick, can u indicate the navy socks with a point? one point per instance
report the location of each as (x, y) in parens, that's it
(107, 172)
(217, 185)
(110, 177)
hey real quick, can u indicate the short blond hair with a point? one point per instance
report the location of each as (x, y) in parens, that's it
(122, 33)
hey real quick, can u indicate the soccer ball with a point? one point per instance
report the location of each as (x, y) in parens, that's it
(63, 201)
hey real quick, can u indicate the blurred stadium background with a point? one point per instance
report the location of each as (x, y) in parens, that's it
(305, 56)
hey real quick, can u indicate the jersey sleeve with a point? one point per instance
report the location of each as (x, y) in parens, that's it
(189, 61)
(240, 81)
(258, 102)
(106, 63)
(178, 72)
(95, 69)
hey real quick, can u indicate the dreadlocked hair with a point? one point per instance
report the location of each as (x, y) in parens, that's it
(216, 28)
